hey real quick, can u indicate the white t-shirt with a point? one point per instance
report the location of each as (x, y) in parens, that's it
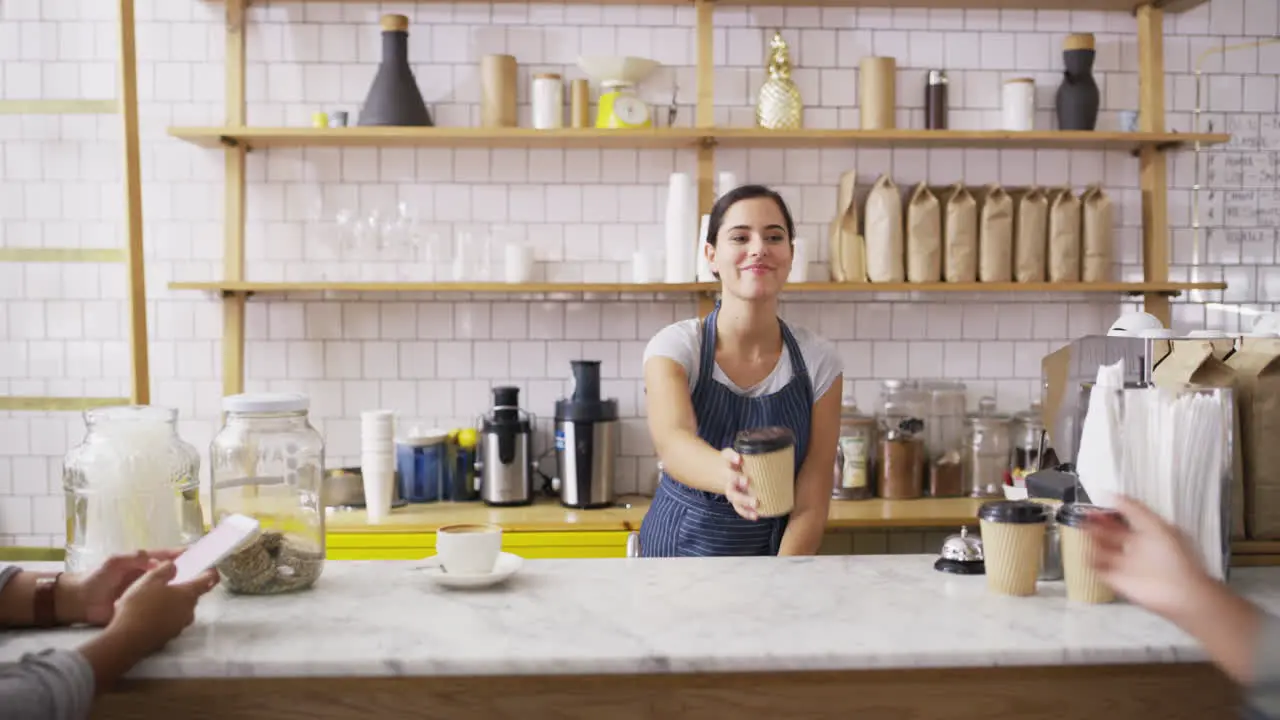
(682, 341)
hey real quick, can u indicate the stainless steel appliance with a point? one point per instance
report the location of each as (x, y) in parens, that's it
(505, 463)
(586, 440)
(1068, 373)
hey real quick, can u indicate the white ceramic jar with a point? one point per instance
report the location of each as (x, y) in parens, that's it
(1019, 104)
(548, 101)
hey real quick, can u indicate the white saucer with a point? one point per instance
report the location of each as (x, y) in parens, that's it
(506, 566)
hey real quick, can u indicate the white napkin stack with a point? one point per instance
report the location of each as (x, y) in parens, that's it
(1163, 448)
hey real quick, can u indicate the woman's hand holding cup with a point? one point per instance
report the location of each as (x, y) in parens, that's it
(737, 486)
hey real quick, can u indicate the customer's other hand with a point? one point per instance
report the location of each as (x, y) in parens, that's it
(91, 598)
(737, 486)
(1144, 558)
(152, 612)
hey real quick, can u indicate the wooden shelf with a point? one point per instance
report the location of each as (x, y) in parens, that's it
(247, 288)
(668, 138)
(1173, 6)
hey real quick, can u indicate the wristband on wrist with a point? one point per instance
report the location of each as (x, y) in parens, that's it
(44, 608)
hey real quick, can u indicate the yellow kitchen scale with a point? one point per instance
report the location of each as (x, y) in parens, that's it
(619, 107)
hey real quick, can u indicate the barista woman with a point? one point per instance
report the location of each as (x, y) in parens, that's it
(739, 369)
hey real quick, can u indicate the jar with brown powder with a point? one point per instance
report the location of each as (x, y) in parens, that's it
(901, 451)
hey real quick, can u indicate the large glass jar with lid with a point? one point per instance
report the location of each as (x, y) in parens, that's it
(901, 450)
(987, 451)
(267, 462)
(131, 484)
(945, 443)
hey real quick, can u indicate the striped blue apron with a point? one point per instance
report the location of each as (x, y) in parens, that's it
(686, 522)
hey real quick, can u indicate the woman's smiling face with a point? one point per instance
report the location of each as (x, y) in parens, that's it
(753, 250)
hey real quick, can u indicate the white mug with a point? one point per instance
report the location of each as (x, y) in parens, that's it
(470, 549)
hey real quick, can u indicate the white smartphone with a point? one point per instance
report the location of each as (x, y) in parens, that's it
(218, 543)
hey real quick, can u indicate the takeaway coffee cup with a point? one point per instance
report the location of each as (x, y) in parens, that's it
(1083, 583)
(769, 461)
(469, 549)
(1013, 544)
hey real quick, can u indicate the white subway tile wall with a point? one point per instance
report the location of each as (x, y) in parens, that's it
(63, 329)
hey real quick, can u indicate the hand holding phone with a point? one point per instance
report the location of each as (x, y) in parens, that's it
(217, 544)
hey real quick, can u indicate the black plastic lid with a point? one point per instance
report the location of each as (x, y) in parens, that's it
(586, 411)
(763, 440)
(1018, 512)
(1076, 514)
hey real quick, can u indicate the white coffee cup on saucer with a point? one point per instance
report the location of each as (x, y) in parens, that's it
(469, 549)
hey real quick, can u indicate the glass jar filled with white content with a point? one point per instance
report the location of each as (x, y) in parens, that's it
(132, 484)
(267, 462)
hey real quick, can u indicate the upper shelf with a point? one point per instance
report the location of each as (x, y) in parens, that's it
(1174, 6)
(264, 137)
(248, 288)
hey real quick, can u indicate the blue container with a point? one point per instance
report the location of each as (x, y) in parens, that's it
(421, 461)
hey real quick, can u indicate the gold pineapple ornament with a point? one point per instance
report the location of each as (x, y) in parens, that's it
(779, 106)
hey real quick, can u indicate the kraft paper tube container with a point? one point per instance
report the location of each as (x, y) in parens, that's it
(769, 461)
(1013, 544)
(877, 94)
(1083, 582)
(579, 101)
(498, 91)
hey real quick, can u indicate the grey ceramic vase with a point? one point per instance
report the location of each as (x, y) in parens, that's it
(394, 98)
(1078, 96)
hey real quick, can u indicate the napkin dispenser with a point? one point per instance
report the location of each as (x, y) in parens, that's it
(1067, 374)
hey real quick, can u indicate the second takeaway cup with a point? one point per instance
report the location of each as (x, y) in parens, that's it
(1013, 544)
(1084, 584)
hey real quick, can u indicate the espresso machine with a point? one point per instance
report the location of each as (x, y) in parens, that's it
(505, 460)
(586, 441)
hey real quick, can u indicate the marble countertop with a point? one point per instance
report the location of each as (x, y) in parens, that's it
(383, 618)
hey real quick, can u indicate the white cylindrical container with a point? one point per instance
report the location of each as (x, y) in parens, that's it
(704, 266)
(518, 263)
(1019, 104)
(799, 261)
(548, 101)
(681, 225)
(725, 182)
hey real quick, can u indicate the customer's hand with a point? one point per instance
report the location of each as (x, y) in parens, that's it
(1146, 559)
(737, 486)
(91, 598)
(152, 612)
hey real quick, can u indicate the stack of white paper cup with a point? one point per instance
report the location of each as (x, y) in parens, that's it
(377, 462)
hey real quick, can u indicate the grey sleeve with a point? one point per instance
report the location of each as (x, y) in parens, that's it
(1264, 693)
(48, 685)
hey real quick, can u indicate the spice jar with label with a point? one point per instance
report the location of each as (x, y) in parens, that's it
(1028, 437)
(987, 451)
(854, 448)
(945, 443)
(267, 462)
(901, 452)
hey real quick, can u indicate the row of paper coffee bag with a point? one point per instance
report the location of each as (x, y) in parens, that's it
(962, 234)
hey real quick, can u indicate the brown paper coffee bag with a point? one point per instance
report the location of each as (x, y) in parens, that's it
(924, 237)
(848, 253)
(1095, 235)
(886, 259)
(1031, 237)
(960, 236)
(995, 236)
(1064, 237)
(1257, 369)
(1191, 362)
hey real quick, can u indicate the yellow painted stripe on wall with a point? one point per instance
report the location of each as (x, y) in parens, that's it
(53, 404)
(59, 107)
(61, 255)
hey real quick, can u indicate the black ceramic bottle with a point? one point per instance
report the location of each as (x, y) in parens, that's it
(394, 98)
(935, 101)
(1078, 95)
